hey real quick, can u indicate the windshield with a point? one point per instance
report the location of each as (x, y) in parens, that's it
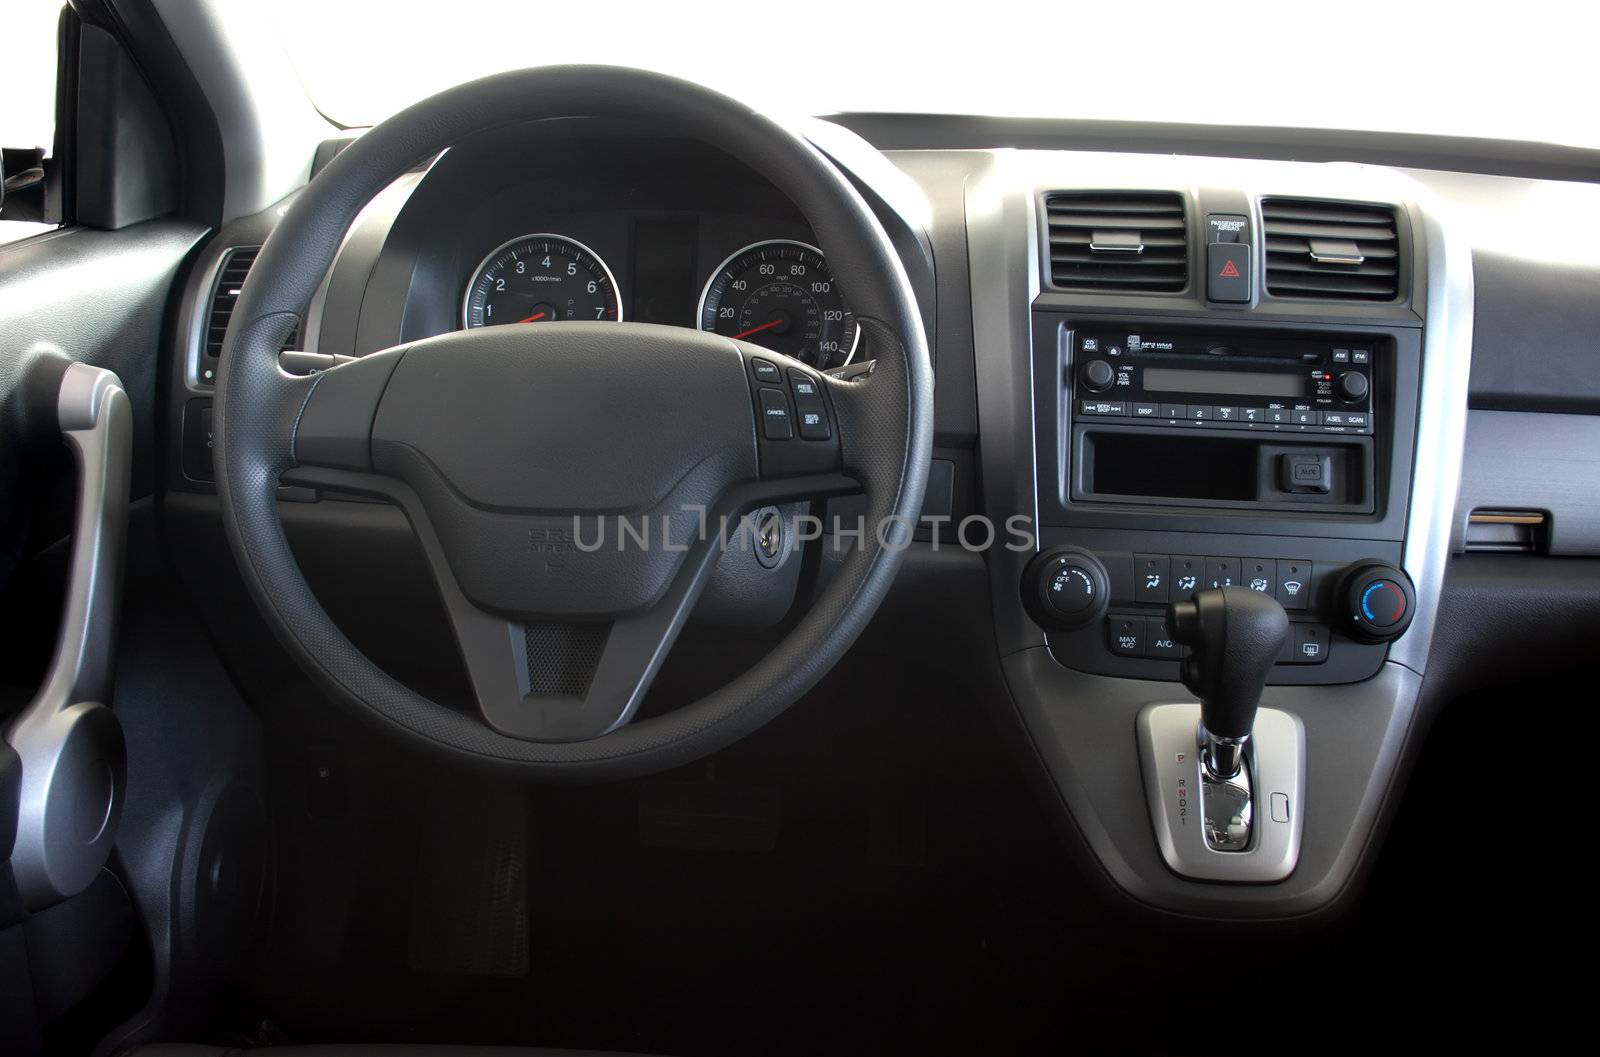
(1521, 71)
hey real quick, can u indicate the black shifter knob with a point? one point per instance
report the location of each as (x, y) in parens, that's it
(1234, 635)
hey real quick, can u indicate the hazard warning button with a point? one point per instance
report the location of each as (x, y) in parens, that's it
(1228, 271)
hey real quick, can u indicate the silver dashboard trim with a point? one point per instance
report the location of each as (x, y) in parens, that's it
(1441, 429)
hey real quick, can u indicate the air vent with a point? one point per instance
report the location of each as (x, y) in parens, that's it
(1332, 251)
(1115, 241)
(230, 280)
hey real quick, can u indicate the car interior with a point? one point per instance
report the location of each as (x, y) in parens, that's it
(573, 562)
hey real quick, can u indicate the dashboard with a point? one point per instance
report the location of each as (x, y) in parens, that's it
(1183, 371)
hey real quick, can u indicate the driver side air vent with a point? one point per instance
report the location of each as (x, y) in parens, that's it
(1106, 241)
(1330, 251)
(230, 281)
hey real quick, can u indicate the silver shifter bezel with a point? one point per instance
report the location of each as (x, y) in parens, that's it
(1170, 744)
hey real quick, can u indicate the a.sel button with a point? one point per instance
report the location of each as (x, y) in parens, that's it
(1125, 636)
(775, 421)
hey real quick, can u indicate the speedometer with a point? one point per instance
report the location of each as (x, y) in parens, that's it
(540, 278)
(780, 295)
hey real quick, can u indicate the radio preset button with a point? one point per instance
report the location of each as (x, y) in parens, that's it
(1198, 413)
(1252, 414)
(1278, 414)
(1226, 414)
(1304, 417)
(1174, 410)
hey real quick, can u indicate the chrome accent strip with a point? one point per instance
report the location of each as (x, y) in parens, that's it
(70, 745)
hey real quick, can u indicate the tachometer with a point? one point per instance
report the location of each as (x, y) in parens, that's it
(781, 295)
(539, 278)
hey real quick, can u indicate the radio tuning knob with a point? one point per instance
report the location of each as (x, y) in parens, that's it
(1352, 386)
(1097, 376)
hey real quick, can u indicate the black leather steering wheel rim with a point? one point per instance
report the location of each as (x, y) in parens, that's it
(885, 421)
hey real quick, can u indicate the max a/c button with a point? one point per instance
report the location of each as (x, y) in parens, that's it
(776, 422)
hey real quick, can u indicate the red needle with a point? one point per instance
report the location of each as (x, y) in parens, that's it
(530, 319)
(757, 330)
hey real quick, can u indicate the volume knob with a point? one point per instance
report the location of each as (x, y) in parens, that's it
(1097, 376)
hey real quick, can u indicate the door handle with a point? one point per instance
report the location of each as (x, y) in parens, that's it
(70, 759)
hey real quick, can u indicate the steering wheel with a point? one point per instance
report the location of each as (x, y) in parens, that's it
(571, 484)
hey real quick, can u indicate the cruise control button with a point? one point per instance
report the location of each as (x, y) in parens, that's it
(766, 371)
(809, 407)
(776, 423)
(1125, 636)
(1151, 573)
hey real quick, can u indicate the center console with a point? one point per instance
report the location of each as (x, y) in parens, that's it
(1187, 453)
(1231, 395)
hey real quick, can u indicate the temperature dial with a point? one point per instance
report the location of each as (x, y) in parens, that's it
(1377, 602)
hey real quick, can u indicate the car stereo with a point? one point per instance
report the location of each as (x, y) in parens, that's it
(1183, 380)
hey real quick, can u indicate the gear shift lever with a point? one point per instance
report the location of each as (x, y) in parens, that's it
(1234, 635)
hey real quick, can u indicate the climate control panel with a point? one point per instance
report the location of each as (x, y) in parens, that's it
(1104, 610)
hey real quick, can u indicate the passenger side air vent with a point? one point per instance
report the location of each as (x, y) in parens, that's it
(1333, 251)
(1133, 242)
(230, 280)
